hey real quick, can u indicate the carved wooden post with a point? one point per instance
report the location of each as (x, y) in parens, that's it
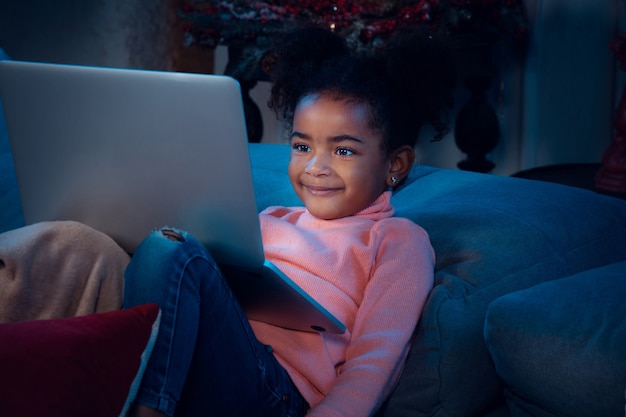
(612, 174)
(477, 129)
(254, 119)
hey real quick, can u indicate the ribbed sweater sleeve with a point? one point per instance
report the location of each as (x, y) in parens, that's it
(383, 327)
(372, 271)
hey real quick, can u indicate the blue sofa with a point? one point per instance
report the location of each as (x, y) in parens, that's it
(528, 313)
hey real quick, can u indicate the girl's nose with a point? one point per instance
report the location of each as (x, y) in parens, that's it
(317, 165)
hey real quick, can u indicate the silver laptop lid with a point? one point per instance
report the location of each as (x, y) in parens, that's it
(126, 151)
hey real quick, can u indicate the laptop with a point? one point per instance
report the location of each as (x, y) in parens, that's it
(126, 151)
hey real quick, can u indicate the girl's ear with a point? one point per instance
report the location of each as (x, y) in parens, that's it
(401, 162)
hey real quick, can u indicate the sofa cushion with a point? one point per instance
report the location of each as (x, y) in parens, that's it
(79, 366)
(560, 347)
(272, 186)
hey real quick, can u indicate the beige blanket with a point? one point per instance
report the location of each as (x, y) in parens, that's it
(59, 269)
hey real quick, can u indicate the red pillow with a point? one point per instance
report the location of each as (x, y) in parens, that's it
(78, 366)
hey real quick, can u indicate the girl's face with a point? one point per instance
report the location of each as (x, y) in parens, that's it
(337, 166)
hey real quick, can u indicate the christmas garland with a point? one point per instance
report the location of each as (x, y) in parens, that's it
(366, 24)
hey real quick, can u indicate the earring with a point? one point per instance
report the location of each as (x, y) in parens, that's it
(394, 180)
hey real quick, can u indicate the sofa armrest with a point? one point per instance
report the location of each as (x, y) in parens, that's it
(560, 347)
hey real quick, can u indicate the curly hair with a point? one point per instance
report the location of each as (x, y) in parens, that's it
(409, 82)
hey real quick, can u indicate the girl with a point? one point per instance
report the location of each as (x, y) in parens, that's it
(354, 123)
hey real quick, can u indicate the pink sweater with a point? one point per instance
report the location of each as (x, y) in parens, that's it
(373, 272)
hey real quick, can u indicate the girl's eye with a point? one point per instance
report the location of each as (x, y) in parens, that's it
(344, 152)
(301, 147)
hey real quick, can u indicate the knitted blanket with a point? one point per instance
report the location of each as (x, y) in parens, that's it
(59, 269)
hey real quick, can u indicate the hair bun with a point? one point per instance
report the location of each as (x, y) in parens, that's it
(300, 54)
(407, 83)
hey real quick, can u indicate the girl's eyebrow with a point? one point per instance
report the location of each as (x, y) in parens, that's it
(342, 138)
(333, 139)
(300, 135)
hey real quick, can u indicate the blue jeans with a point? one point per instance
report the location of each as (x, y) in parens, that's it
(206, 360)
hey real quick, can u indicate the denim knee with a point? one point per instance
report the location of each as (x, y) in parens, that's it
(158, 263)
(161, 243)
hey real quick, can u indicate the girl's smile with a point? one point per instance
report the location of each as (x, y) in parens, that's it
(337, 166)
(320, 191)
